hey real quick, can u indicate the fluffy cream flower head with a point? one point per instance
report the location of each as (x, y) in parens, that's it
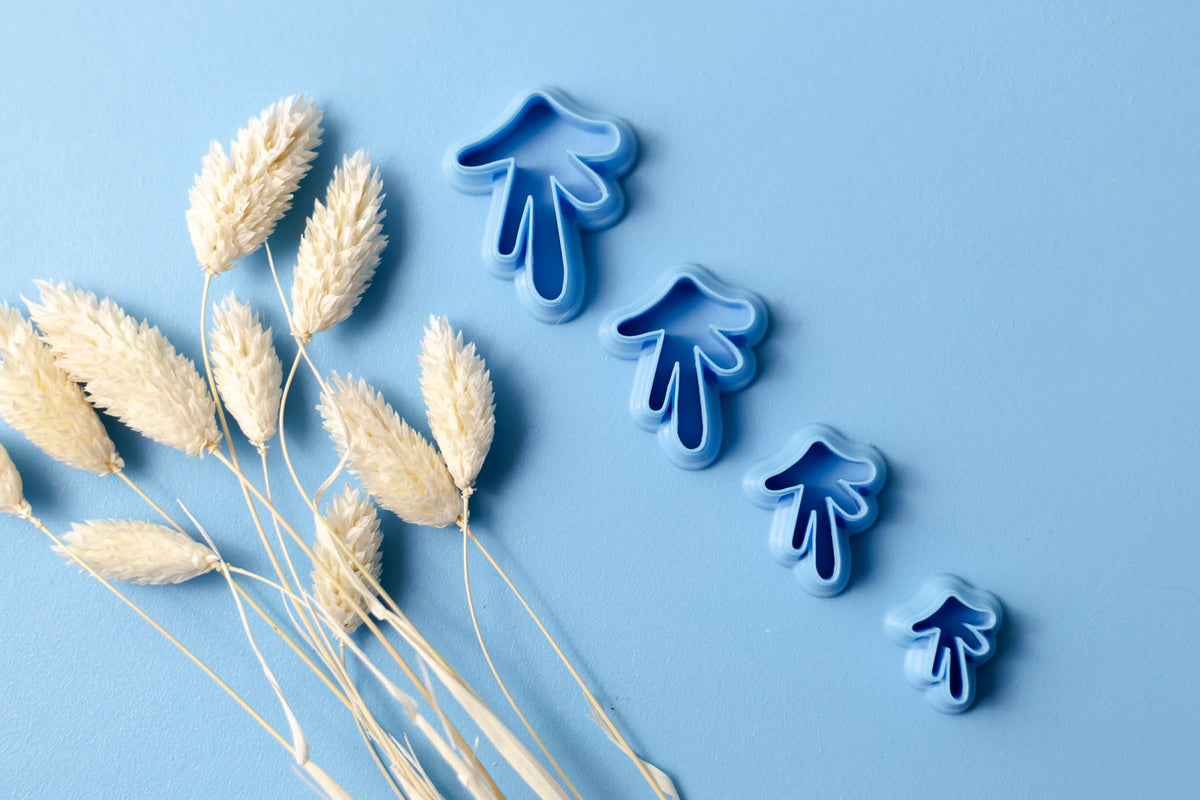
(340, 248)
(352, 519)
(459, 400)
(128, 368)
(398, 466)
(238, 198)
(136, 551)
(247, 369)
(12, 494)
(42, 402)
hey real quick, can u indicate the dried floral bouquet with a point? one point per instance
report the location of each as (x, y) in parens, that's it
(77, 353)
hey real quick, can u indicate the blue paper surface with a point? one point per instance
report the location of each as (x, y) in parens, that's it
(977, 234)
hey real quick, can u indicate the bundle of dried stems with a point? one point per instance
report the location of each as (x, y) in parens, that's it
(86, 353)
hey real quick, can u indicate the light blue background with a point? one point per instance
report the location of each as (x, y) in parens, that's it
(977, 233)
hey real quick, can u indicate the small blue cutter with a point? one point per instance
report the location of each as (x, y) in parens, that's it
(822, 487)
(949, 628)
(693, 338)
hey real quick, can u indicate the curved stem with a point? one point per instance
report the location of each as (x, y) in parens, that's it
(487, 656)
(345, 459)
(291, 607)
(597, 708)
(301, 351)
(360, 712)
(237, 698)
(140, 493)
(291, 643)
(283, 446)
(359, 573)
(350, 696)
(212, 387)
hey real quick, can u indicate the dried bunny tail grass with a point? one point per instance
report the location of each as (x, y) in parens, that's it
(238, 198)
(42, 402)
(247, 369)
(459, 400)
(351, 518)
(12, 494)
(128, 368)
(340, 248)
(137, 552)
(396, 465)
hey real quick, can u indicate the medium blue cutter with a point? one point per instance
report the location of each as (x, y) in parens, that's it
(949, 628)
(693, 338)
(822, 487)
(551, 169)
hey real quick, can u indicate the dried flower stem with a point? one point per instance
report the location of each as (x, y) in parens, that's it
(274, 626)
(319, 775)
(212, 385)
(140, 493)
(358, 708)
(602, 717)
(351, 699)
(373, 749)
(302, 352)
(323, 647)
(496, 674)
(516, 754)
(308, 627)
(309, 630)
(247, 573)
(299, 739)
(370, 582)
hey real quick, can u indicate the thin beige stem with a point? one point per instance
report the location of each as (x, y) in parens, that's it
(348, 695)
(171, 520)
(207, 670)
(325, 390)
(140, 493)
(459, 741)
(370, 745)
(315, 629)
(212, 386)
(361, 569)
(302, 350)
(283, 446)
(307, 627)
(274, 626)
(621, 742)
(413, 778)
(289, 598)
(487, 656)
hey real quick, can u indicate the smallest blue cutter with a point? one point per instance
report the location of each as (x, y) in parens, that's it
(949, 628)
(822, 487)
(693, 338)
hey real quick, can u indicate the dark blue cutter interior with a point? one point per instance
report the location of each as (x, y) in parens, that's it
(819, 471)
(954, 619)
(540, 141)
(686, 317)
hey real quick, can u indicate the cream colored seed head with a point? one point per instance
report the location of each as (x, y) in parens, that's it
(129, 369)
(340, 248)
(398, 466)
(137, 552)
(459, 400)
(351, 519)
(41, 401)
(247, 369)
(239, 198)
(12, 494)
